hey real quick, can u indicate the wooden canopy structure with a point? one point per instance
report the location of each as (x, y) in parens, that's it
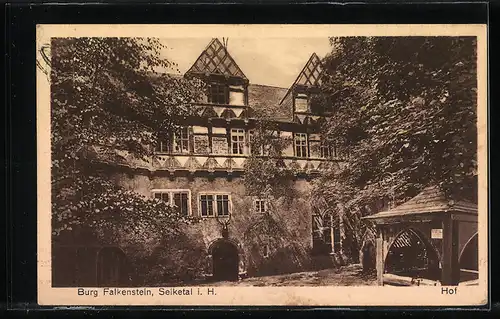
(423, 241)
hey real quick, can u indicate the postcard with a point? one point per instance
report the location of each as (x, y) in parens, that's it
(262, 165)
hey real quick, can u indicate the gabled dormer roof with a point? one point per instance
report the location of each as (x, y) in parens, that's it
(309, 76)
(215, 59)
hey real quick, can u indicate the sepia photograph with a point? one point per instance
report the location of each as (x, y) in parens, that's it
(193, 161)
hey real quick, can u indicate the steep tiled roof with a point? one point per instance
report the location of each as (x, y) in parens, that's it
(430, 200)
(215, 59)
(266, 99)
(309, 76)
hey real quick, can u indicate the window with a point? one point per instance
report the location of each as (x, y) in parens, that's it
(326, 235)
(266, 251)
(219, 145)
(163, 146)
(260, 206)
(301, 103)
(237, 141)
(327, 231)
(328, 151)
(178, 144)
(212, 205)
(260, 149)
(236, 95)
(179, 199)
(218, 94)
(222, 205)
(207, 205)
(181, 202)
(320, 104)
(181, 140)
(301, 145)
(336, 239)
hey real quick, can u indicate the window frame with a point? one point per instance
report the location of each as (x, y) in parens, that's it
(169, 146)
(261, 201)
(301, 97)
(171, 192)
(336, 245)
(214, 205)
(267, 251)
(237, 89)
(180, 139)
(222, 91)
(264, 150)
(238, 143)
(331, 150)
(304, 148)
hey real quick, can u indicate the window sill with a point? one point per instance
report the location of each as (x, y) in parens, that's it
(213, 217)
(222, 105)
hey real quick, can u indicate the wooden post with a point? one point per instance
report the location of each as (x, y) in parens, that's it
(450, 271)
(455, 265)
(380, 256)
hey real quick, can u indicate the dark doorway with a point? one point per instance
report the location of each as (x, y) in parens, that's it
(369, 257)
(410, 255)
(112, 268)
(225, 261)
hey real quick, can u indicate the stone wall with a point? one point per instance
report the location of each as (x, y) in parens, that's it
(279, 242)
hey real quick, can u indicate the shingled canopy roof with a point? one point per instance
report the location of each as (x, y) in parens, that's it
(430, 200)
(215, 59)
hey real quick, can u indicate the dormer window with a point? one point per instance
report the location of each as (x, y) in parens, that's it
(236, 95)
(301, 103)
(218, 94)
(221, 93)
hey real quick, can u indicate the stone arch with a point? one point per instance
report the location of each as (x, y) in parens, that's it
(226, 259)
(468, 257)
(412, 254)
(112, 267)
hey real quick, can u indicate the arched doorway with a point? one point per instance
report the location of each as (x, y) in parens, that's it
(468, 260)
(369, 257)
(112, 267)
(225, 261)
(412, 256)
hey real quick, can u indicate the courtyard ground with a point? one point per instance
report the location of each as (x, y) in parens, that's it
(350, 275)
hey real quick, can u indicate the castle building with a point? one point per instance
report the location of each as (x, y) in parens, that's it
(201, 168)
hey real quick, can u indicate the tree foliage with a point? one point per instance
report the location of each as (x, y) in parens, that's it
(405, 107)
(108, 92)
(266, 175)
